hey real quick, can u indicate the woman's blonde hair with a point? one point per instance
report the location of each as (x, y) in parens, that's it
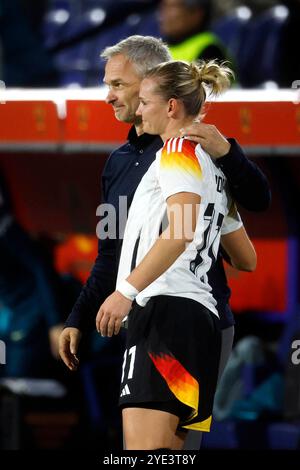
(190, 82)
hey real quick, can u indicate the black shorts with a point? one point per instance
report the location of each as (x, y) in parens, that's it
(172, 359)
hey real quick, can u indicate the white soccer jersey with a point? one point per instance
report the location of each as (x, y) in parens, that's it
(180, 166)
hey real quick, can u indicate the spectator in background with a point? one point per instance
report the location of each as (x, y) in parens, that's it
(30, 317)
(184, 24)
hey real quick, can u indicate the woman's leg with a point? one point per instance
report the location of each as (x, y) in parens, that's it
(147, 429)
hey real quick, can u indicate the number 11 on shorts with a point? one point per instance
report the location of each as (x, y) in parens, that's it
(128, 355)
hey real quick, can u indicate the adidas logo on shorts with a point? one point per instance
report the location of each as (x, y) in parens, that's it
(125, 391)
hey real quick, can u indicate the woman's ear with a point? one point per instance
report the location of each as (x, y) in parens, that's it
(172, 106)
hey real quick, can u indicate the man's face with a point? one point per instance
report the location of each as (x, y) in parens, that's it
(153, 109)
(123, 82)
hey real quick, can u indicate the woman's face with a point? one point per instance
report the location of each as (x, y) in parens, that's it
(153, 109)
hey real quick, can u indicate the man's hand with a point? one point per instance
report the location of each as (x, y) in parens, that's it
(68, 347)
(111, 313)
(54, 334)
(208, 136)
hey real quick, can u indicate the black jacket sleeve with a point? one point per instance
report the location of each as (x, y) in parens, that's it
(248, 185)
(100, 284)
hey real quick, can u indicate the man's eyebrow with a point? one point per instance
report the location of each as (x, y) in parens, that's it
(114, 81)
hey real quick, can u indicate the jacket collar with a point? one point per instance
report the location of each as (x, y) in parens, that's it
(141, 141)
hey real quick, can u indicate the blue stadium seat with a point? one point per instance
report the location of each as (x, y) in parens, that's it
(84, 23)
(146, 24)
(255, 435)
(107, 37)
(231, 29)
(52, 28)
(56, 20)
(73, 78)
(74, 57)
(253, 41)
(223, 435)
(77, 36)
(257, 60)
(284, 436)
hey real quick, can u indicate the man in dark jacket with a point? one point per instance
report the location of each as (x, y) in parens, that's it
(126, 63)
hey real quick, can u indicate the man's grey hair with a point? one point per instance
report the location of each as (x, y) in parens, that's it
(143, 51)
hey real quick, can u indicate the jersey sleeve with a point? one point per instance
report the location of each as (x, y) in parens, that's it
(232, 221)
(179, 169)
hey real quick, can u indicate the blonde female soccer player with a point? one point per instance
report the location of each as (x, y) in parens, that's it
(180, 212)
